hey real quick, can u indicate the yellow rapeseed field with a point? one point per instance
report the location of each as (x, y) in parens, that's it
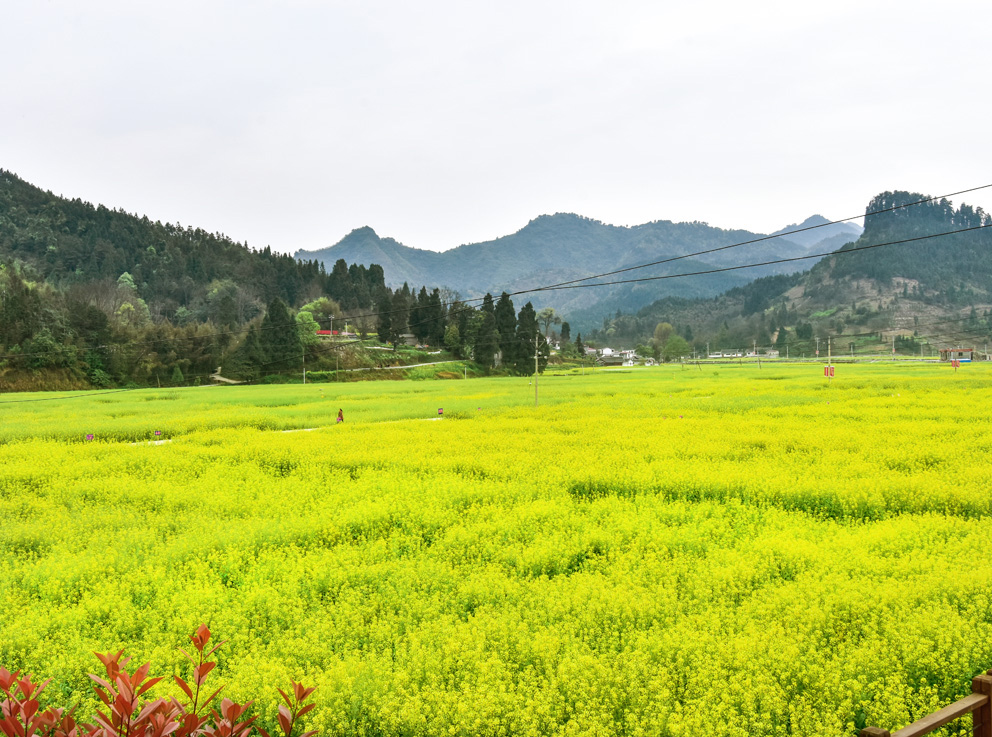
(724, 550)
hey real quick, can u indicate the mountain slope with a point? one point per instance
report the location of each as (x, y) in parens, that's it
(821, 231)
(72, 243)
(940, 288)
(563, 247)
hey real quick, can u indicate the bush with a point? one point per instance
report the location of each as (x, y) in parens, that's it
(127, 714)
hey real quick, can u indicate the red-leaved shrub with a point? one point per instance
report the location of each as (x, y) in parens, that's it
(127, 714)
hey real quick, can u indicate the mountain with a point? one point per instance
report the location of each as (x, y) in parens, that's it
(557, 248)
(819, 234)
(939, 287)
(74, 245)
(91, 296)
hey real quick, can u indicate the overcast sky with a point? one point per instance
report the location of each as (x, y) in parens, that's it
(440, 123)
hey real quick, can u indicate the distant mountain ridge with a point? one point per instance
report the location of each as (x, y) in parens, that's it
(939, 287)
(816, 230)
(565, 246)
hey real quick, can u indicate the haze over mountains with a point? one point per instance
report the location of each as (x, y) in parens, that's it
(562, 247)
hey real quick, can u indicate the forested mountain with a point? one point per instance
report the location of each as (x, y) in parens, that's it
(937, 290)
(110, 297)
(562, 247)
(176, 270)
(96, 297)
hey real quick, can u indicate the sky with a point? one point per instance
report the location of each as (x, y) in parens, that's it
(291, 123)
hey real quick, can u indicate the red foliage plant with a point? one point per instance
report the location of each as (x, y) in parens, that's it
(127, 714)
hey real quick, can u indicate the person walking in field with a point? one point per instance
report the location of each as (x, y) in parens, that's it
(340, 415)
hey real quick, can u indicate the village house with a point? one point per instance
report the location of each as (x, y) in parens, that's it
(956, 354)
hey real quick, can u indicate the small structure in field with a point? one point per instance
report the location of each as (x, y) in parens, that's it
(610, 359)
(956, 354)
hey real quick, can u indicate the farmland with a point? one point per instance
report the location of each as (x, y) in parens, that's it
(729, 550)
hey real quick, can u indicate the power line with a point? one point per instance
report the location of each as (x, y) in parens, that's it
(762, 263)
(576, 284)
(764, 238)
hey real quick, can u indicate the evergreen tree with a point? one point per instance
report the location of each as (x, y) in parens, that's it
(387, 333)
(452, 340)
(435, 318)
(486, 342)
(246, 361)
(528, 337)
(566, 332)
(579, 347)
(419, 316)
(280, 339)
(506, 326)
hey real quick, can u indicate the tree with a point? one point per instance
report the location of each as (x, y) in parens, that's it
(323, 310)
(307, 328)
(566, 332)
(177, 376)
(548, 317)
(662, 332)
(247, 360)
(280, 339)
(419, 320)
(529, 338)
(387, 331)
(486, 339)
(676, 347)
(506, 326)
(435, 318)
(452, 340)
(579, 347)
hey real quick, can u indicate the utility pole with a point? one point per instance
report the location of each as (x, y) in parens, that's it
(817, 347)
(336, 355)
(536, 344)
(829, 356)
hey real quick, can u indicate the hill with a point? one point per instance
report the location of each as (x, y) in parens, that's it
(937, 290)
(562, 247)
(816, 231)
(70, 243)
(95, 296)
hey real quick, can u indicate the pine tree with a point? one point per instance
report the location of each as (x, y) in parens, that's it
(486, 340)
(387, 333)
(506, 326)
(529, 336)
(279, 339)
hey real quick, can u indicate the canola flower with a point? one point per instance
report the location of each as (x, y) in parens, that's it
(728, 551)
